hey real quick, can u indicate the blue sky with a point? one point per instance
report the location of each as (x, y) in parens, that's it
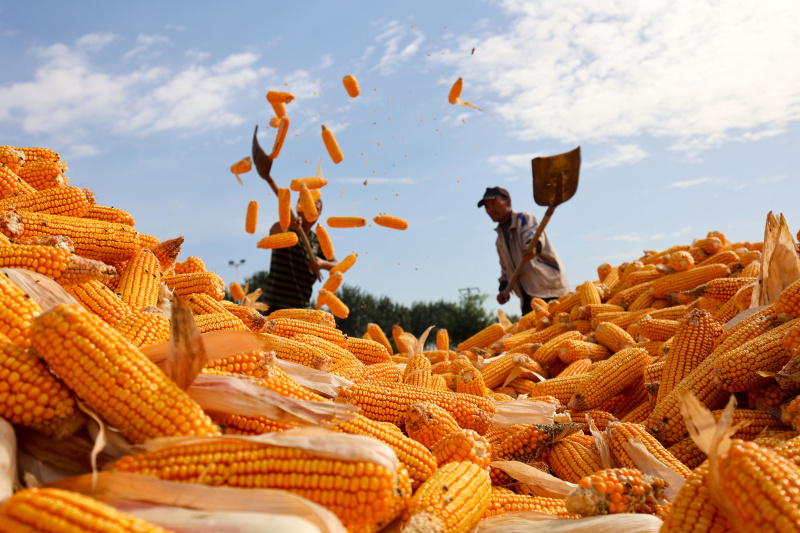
(686, 113)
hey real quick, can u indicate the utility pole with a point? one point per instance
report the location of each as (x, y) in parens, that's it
(469, 290)
(236, 265)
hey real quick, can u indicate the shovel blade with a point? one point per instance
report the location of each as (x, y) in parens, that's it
(261, 160)
(555, 178)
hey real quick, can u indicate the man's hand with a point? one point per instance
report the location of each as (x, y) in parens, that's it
(502, 298)
(314, 266)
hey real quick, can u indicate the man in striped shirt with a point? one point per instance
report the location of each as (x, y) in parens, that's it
(291, 272)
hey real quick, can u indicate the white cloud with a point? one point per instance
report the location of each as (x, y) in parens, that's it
(690, 183)
(400, 43)
(94, 41)
(144, 43)
(326, 61)
(620, 154)
(196, 56)
(82, 150)
(507, 164)
(696, 72)
(68, 92)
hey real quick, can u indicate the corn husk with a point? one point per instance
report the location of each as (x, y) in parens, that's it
(647, 463)
(187, 353)
(503, 320)
(39, 288)
(599, 441)
(532, 522)
(8, 459)
(113, 487)
(321, 382)
(518, 371)
(234, 395)
(340, 446)
(522, 412)
(218, 345)
(780, 262)
(542, 483)
(180, 520)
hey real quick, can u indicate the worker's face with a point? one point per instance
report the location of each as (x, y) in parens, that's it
(498, 209)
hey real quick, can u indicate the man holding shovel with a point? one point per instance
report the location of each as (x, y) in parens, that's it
(543, 276)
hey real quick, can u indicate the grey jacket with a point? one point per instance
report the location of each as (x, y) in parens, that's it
(544, 276)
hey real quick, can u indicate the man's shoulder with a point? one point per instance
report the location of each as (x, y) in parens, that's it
(523, 218)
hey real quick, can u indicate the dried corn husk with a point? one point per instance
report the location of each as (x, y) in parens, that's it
(532, 522)
(117, 486)
(543, 484)
(780, 262)
(522, 412)
(321, 382)
(647, 463)
(187, 353)
(41, 289)
(8, 459)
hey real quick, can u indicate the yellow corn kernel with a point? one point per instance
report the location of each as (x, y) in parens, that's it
(279, 240)
(351, 86)
(242, 167)
(337, 307)
(345, 264)
(307, 204)
(237, 293)
(252, 217)
(331, 145)
(312, 183)
(325, 243)
(284, 208)
(279, 97)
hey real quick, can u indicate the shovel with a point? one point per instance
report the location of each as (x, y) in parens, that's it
(555, 180)
(263, 164)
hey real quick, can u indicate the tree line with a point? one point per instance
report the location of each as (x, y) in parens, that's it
(461, 319)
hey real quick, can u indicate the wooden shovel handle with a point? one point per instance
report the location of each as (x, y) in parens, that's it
(529, 251)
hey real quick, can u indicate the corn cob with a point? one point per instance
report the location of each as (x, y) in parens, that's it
(428, 423)
(346, 222)
(644, 276)
(142, 328)
(344, 265)
(693, 509)
(278, 240)
(149, 242)
(529, 442)
(560, 388)
(351, 86)
(638, 414)
(196, 282)
(613, 337)
(93, 239)
(377, 334)
(298, 352)
(571, 459)
(325, 243)
(643, 301)
(384, 373)
(721, 289)
(244, 363)
(139, 282)
(601, 418)
(12, 158)
(68, 201)
(389, 403)
(452, 500)
(463, 445)
(167, 253)
(367, 351)
(44, 173)
(104, 370)
(571, 350)
(418, 371)
(505, 501)
(333, 282)
(108, 214)
(312, 316)
(203, 304)
(576, 368)
(609, 378)
(30, 395)
(620, 433)
(470, 381)
(725, 257)
(50, 261)
(280, 137)
(290, 328)
(16, 312)
(219, 322)
(548, 354)
(693, 342)
(736, 369)
(616, 490)
(279, 97)
(344, 363)
(254, 320)
(44, 509)
(496, 372)
(483, 338)
(391, 222)
(251, 218)
(657, 329)
(624, 298)
(455, 91)
(100, 300)
(337, 306)
(689, 279)
(359, 493)
(190, 265)
(236, 290)
(331, 145)
(420, 462)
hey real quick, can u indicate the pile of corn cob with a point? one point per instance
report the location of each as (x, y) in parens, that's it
(574, 410)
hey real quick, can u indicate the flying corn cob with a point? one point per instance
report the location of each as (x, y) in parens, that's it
(280, 137)
(391, 222)
(344, 265)
(282, 97)
(307, 204)
(278, 240)
(114, 378)
(455, 91)
(312, 183)
(237, 293)
(46, 509)
(351, 86)
(331, 145)
(346, 222)
(242, 167)
(251, 219)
